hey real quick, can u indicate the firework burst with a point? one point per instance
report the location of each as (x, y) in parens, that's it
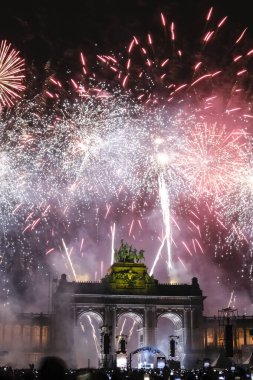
(11, 74)
(215, 158)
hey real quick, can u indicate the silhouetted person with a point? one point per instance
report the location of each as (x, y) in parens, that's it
(52, 368)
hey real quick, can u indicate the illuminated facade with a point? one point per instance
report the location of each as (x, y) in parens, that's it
(24, 338)
(242, 335)
(126, 290)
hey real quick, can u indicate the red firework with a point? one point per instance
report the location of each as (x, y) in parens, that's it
(11, 74)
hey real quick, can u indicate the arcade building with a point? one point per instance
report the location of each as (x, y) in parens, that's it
(127, 291)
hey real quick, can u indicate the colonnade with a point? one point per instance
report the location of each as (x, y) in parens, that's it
(28, 335)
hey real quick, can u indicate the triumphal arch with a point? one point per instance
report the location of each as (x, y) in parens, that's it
(129, 289)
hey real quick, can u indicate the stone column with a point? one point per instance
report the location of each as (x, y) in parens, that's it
(187, 331)
(192, 329)
(140, 337)
(63, 323)
(150, 326)
(235, 335)
(110, 322)
(196, 330)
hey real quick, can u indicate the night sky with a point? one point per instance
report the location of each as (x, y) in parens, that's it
(52, 30)
(51, 34)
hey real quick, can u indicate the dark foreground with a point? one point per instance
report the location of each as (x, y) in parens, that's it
(52, 368)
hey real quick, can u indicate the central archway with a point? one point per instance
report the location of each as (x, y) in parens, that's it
(130, 324)
(170, 326)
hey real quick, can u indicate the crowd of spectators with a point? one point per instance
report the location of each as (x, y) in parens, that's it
(54, 368)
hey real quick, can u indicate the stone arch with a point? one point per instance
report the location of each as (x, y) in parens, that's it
(133, 329)
(134, 315)
(94, 314)
(178, 332)
(87, 338)
(176, 318)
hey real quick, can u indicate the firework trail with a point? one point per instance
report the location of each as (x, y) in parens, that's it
(122, 329)
(165, 205)
(131, 330)
(69, 260)
(113, 229)
(96, 342)
(157, 256)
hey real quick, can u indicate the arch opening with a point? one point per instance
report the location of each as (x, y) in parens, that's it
(87, 339)
(170, 326)
(130, 326)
